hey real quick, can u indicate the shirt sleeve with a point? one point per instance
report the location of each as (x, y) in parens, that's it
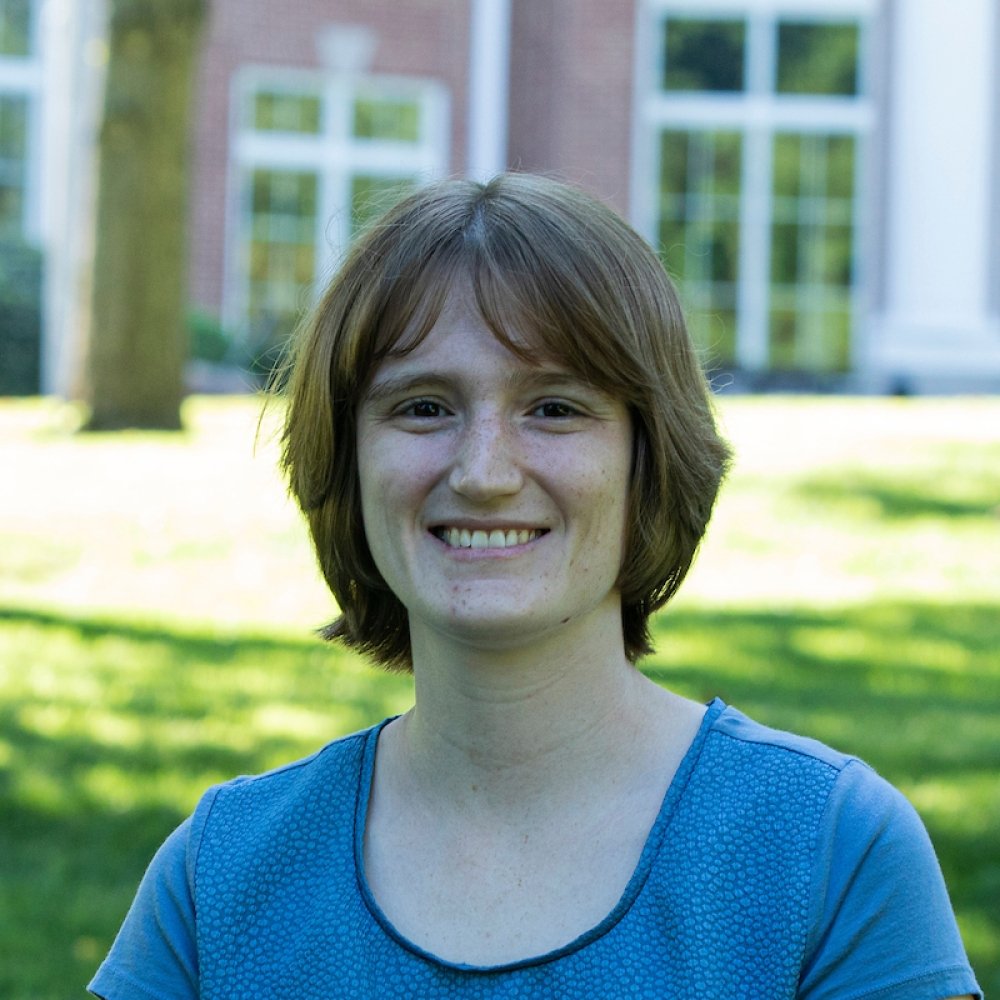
(883, 926)
(154, 956)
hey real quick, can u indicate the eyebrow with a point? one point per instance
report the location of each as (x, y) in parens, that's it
(533, 378)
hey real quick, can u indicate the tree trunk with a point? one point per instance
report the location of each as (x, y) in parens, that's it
(134, 373)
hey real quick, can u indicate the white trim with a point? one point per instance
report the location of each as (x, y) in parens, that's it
(801, 114)
(489, 82)
(644, 159)
(753, 279)
(820, 9)
(21, 73)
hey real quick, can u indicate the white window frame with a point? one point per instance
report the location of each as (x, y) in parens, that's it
(758, 114)
(332, 153)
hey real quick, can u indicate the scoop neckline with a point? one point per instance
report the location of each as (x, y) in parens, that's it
(630, 894)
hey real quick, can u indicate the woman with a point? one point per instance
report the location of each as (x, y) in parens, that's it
(507, 456)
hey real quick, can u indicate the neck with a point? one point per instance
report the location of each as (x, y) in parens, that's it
(514, 725)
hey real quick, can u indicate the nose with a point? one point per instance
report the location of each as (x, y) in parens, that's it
(487, 461)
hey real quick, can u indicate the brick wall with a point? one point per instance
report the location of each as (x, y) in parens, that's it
(571, 91)
(571, 67)
(423, 38)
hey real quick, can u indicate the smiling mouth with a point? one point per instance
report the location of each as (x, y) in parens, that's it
(462, 538)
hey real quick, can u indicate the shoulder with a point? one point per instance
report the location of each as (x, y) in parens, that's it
(285, 804)
(853, 795)
(799, 812)
(732, 725)
(877, 917)
(833, 802)
(743, 761)
(859, 866)
(778, 760)
(338, 759)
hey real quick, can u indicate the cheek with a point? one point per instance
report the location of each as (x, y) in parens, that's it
(394, 478)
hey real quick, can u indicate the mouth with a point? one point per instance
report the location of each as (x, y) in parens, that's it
(479, 538)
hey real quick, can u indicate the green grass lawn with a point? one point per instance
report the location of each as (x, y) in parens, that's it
(157, 596)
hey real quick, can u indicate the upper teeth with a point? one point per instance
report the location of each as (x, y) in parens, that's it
(495, 539)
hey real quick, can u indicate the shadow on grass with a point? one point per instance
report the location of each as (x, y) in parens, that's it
(896, 498)
(109, 731)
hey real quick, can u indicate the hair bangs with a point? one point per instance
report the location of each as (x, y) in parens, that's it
(543, 315)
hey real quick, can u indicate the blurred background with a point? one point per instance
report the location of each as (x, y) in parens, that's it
(179, 178)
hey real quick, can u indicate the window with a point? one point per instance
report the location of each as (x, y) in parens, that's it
(316, 159)
(755, 136)
(19, 78)
(812, 239)
(282, 249)
(699, 223)
(13, 164)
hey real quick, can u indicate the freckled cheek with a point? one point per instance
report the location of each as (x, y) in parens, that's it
(395, 473)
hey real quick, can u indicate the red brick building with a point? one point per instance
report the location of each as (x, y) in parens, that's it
(312, 114)
(821, 177)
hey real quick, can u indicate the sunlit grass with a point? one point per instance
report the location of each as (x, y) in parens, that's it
(158, 597)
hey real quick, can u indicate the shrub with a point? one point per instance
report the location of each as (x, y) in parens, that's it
(20, 318)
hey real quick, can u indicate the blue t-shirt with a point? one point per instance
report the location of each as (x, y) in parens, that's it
(776, 868)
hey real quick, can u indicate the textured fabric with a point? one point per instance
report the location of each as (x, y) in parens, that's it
(776, 868)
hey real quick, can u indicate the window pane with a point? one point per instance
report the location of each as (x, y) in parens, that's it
(840, 166)
(817, 58)
(283, 112)
(815, 340)
(784, 253)
(13, 127)
(15, 27)
(378, 118)
(786, 166)
(11, 210)
(13, 157)
(699, 233)
(812, 262)
(371, 196)
(281, 251)
(703, 55)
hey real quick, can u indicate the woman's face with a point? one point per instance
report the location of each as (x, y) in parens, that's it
(494, 492)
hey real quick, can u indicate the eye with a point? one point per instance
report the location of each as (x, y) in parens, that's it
(425, 409)
(556, 409)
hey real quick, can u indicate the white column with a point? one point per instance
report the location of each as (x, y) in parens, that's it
(942, 116)
(74, 53)
(489, 71)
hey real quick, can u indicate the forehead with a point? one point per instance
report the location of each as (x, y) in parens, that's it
(461, 346)
(453, 320)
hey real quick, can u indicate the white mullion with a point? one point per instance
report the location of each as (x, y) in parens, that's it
(434, 115)
(281, 151)
(858, 288)
(818, 9)
(333, 225)
(646, 129)
(235, 282)
(391, 159)
(20, 74)
(753, 292)
(807, 287)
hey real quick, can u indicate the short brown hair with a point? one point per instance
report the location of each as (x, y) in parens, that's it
(549, 265)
